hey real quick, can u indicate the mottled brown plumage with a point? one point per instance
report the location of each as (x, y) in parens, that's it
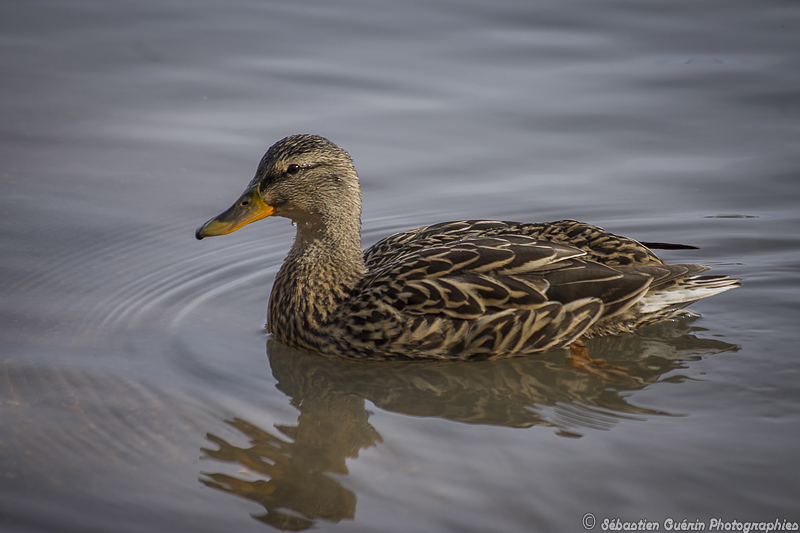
(471, 289)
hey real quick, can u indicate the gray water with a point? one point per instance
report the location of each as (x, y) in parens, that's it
(138, 389)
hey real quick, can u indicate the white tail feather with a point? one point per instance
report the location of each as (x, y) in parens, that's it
(684, 293)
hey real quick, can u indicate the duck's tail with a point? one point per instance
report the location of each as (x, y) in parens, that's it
(685, 292)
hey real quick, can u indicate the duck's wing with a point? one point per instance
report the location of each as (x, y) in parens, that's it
(600, 246)
(587, 263)
(466, 278)
(485, 296)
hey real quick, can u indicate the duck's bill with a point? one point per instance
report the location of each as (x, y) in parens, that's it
(249, 208)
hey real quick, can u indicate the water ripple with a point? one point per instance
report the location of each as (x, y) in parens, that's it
(157, 275)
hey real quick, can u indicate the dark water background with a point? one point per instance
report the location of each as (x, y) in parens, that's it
(138, 391)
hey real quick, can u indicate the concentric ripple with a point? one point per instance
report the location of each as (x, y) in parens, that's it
(166, 277)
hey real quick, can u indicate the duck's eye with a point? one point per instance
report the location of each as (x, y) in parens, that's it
(293, 169)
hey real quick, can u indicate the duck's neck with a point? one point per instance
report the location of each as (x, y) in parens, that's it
(323, 266)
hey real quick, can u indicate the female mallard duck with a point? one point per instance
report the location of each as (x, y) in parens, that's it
(474, 289)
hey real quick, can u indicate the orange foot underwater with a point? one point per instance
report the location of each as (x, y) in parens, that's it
(579, 358)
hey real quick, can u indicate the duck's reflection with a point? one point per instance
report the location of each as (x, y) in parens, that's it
(297, 488)
(300, 463)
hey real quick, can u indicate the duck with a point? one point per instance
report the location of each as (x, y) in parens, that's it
(467, 290)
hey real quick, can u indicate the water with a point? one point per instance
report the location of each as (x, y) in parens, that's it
(138, 390)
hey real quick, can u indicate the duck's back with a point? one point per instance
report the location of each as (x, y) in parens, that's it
(600, 246)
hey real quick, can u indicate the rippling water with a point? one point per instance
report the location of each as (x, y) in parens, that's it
(138, 390)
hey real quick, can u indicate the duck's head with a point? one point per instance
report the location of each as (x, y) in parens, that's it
(305, 178)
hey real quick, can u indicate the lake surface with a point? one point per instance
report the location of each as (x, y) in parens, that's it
(138, 389)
